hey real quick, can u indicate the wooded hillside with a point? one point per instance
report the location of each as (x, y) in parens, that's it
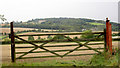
(67, 24)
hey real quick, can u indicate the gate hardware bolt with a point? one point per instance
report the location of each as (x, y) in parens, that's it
(9, 35)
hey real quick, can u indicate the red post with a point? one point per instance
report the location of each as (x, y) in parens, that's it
(108, 35)
(110, 38)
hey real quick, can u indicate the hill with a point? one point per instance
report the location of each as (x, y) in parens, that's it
(66, 24)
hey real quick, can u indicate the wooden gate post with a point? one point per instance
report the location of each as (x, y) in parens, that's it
(107, 22)
(109, 35)
(110, 38)
(105, 44)
(12, 43)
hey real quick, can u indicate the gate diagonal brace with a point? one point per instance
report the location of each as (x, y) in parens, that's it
(80, 45)
(36, 47)
(41, 46)
(26, 53)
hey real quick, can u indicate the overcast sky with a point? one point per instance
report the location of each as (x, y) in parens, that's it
(23, 10)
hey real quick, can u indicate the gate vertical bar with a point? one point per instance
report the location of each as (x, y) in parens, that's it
(105, 44)
(107, 33)
(12, 43)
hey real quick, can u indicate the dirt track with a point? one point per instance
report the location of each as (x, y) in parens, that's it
(6, 51)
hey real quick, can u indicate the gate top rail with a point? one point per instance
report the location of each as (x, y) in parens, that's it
(61, 34)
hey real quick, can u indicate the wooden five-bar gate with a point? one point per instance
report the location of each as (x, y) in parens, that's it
(106, 36)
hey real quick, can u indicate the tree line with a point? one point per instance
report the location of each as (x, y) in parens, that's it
(66, 24)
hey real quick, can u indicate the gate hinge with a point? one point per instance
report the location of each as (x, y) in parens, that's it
(9, 35)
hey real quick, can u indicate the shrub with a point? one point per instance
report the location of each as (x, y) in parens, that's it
(7, 39)
(88, 34)
(49, 37)
(5, 33)
(16, 39)
(59, 37)
(31, 38)
(75, 37)
(39, 38)
(39, 30)
(105, 59)
(2, 33)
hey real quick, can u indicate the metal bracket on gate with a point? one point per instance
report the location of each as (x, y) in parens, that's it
(9, 35)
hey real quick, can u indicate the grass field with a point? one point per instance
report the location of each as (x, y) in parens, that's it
(36, 37)
(96, 60)
(7, 30)
(94, 23)
(42, 37)
(57, 61)
(88, 60)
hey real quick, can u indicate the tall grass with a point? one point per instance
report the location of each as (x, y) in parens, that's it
(105, 59)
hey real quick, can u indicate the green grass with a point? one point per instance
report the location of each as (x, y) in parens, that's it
(1, 37)
(104, 59)
(49, 63)
(7, 36)
(94, 23)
